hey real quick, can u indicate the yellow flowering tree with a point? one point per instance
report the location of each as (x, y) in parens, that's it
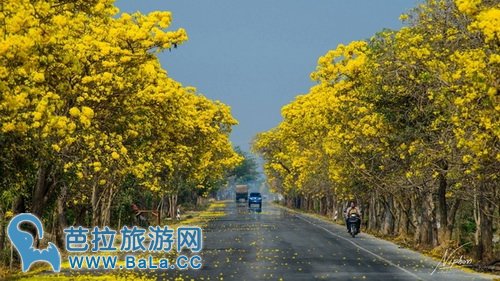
(406, 124)
(85, 106)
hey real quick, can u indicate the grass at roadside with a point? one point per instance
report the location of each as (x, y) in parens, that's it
(42, 272)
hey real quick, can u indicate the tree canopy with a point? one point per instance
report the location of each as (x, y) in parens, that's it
(86, 107)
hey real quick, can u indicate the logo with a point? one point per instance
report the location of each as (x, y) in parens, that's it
(84, 245)
(23, 241)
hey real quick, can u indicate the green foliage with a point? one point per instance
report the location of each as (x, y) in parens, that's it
(246, 171)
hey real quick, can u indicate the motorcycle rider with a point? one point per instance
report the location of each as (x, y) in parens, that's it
(352, 210)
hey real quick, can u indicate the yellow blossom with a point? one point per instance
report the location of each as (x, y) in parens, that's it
(87, 112)
(75, 112)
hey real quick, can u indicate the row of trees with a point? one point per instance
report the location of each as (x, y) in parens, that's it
(90, 122)
(405, 123)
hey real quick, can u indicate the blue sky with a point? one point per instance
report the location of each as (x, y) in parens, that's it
(256, 56)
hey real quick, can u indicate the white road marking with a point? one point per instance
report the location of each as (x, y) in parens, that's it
(361, 248)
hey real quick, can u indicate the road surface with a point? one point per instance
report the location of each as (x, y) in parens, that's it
(278, 244)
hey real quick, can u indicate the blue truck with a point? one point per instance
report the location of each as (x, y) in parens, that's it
(255, 199)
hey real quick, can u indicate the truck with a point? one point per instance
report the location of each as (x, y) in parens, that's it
(241, 192)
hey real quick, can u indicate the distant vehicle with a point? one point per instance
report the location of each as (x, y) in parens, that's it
(255, 199)
(241, 193)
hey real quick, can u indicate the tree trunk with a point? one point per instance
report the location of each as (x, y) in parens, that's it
(165, 206)
(417, 218)
(106, 205)
(329, 206)
(452, 214)
(486, 230)
(388, 228)
(429, 226)
(442, 206)
(81, 217)
(340, 212)
(42, 190)
(95, 206)
(405, 217)
(173, 205)
(2, 235)
(372, 213)
(61, 214)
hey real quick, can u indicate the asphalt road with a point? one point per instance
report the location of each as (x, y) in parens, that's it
(277, 244)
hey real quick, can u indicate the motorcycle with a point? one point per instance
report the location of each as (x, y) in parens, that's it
(353, 222)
